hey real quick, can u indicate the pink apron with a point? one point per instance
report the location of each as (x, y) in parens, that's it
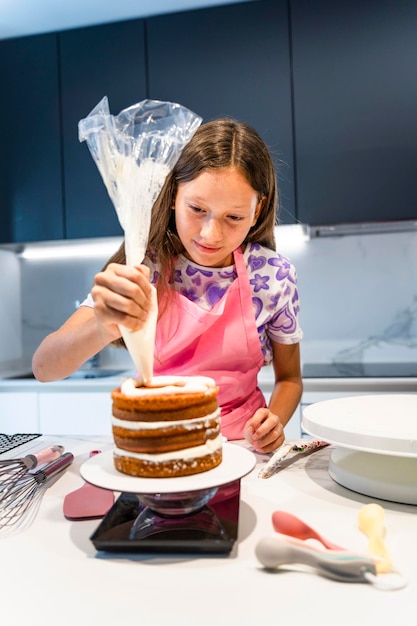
(222, 343)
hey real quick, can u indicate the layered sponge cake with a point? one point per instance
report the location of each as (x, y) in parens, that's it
(168, 428)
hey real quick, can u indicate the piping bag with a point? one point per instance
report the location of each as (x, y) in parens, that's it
(134, 153)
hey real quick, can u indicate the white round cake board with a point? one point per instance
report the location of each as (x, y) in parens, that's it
(237, 462)
(376, 439)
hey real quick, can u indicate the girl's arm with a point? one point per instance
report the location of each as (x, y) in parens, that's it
(62, 352)
(122, 295)
(265, 430)
(286, 394)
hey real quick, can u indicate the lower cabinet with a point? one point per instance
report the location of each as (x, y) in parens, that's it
(84, 413)
(19, 413)
(69, 413)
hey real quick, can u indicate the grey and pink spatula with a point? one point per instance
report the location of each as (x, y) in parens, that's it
(88, 502)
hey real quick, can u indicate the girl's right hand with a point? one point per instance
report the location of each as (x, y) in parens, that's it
(122, 295)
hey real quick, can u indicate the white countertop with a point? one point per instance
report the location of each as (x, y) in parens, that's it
(52, 574)
(104, 383)
(266, 380)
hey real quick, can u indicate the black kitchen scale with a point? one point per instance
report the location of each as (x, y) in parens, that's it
(196, 514)
(131, 526)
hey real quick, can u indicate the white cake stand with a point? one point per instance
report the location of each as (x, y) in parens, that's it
(171, 496)
(375, 439)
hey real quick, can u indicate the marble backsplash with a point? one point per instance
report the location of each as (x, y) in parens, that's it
(358, 296)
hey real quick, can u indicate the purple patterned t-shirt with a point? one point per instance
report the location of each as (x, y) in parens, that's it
(273, 281)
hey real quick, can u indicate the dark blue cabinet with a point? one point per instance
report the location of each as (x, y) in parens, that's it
(99, 61)
(355, 104)
(232, 61)
(50, 187)
(330, 86)
(30, 145)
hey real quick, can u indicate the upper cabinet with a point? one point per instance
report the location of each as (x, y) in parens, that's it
(30, 145)
(95, 62)
(355, 109)
(231, 61)
(330, 86)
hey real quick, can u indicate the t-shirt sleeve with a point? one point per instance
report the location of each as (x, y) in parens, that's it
(284, 326)
(273, 282)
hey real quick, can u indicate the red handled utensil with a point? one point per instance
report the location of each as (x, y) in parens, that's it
(288, 524)
(88, 501)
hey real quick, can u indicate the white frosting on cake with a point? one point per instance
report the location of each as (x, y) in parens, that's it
(210, 446)
(189, 424)
(167, 385)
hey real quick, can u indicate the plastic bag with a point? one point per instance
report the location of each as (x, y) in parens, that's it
(134, 152)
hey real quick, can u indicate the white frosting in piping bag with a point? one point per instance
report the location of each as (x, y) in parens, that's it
(134, 211)
(140, 343)
(134, 152)
(138, 186)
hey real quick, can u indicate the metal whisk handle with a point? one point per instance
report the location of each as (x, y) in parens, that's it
(53, 468)
(49, 454)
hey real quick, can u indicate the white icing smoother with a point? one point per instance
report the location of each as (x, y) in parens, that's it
(211, 445)
(167, 385)
(189, 424)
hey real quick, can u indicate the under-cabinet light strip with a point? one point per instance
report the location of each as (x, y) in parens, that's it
(71, 250)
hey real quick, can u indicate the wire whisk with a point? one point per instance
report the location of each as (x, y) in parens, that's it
(16, 501)
(12, 470)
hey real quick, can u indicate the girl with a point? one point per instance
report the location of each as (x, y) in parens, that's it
(228, 303)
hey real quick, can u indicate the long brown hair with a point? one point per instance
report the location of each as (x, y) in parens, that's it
(216, 144)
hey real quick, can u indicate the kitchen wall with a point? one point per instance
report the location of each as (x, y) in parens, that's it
(53, 288)
(10, 307)
(358, 296)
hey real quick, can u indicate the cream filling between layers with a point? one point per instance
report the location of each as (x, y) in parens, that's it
(188, 424)
(211, 445)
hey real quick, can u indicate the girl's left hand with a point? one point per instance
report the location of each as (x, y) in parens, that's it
(264, 431)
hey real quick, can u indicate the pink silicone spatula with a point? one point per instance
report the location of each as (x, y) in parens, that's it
(88, 502)
(288, 524)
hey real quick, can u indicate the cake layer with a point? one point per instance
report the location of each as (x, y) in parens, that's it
(163, 436)
(168, 409)
(170, 464)
(197, 423)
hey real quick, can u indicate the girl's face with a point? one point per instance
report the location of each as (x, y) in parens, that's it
(213, 214)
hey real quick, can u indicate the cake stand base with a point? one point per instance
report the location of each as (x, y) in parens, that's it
(383, 476)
